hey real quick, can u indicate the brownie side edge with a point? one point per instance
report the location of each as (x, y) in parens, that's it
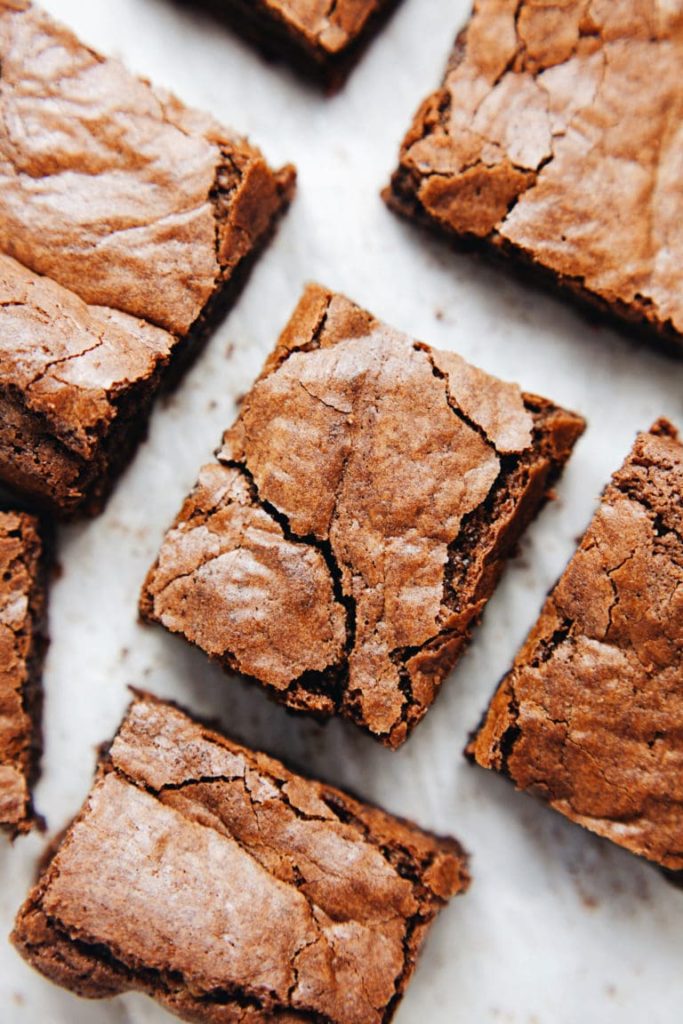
(230, 285)
(36, 538)
(634, 321)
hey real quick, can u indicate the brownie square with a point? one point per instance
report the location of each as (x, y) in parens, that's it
(229, 888)
(22, 646)
(323, 40)
(555, 140)
(357, 518)
(131, 202)
(590, 718)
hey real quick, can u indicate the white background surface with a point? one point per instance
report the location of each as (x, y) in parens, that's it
(558, 927)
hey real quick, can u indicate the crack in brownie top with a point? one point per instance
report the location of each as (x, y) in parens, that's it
(557, 134)
(591, 716)
(211, 876)
(317, 546)
(136, 202)
(70, 362)
(383, 473)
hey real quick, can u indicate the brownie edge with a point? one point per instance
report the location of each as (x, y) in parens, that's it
(23, 600)
(590, 718)
(230, 889)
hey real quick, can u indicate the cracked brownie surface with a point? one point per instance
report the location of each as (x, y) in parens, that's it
(556, 137)
(357, 517)
(591, 716)
(22, 646)
(322, 38)
(231, 889)
(72, 378)
(130, 201)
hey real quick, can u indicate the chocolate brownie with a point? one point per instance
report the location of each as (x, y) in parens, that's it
(22, 646)
(230, 889)
(555, 140)
(591, 716)
(322, 40)
(357, 518)
(132, 203)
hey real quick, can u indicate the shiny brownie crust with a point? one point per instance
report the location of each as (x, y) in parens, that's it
(230, 889)
(357, 518)
(553, 143)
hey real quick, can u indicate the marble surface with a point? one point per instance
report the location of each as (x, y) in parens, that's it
(559, 927)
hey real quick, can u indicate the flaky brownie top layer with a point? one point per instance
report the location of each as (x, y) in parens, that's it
(21, 614)
(319, 541)
(204, 871)
(112, 187)
(558, 130)
(591, 716)
(69, 363)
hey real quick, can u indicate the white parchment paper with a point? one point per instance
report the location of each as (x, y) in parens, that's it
(559, 927)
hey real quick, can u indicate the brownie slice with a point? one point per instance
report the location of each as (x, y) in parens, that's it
(591, 716)
(22, 646)
(322, 40)
(357, 518)
(229, 888)
(555, 140)
(131, 202)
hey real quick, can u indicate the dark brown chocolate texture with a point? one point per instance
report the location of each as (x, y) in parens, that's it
(22, 646)
(357, 518)
(555, 140)
(591, 716)
(230, 889)
(127, 221)
(322, 39)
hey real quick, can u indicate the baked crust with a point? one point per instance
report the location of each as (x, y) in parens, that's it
(591, 716)
(357, 518)
(555, 140)
(76, 383)
(230, 889)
